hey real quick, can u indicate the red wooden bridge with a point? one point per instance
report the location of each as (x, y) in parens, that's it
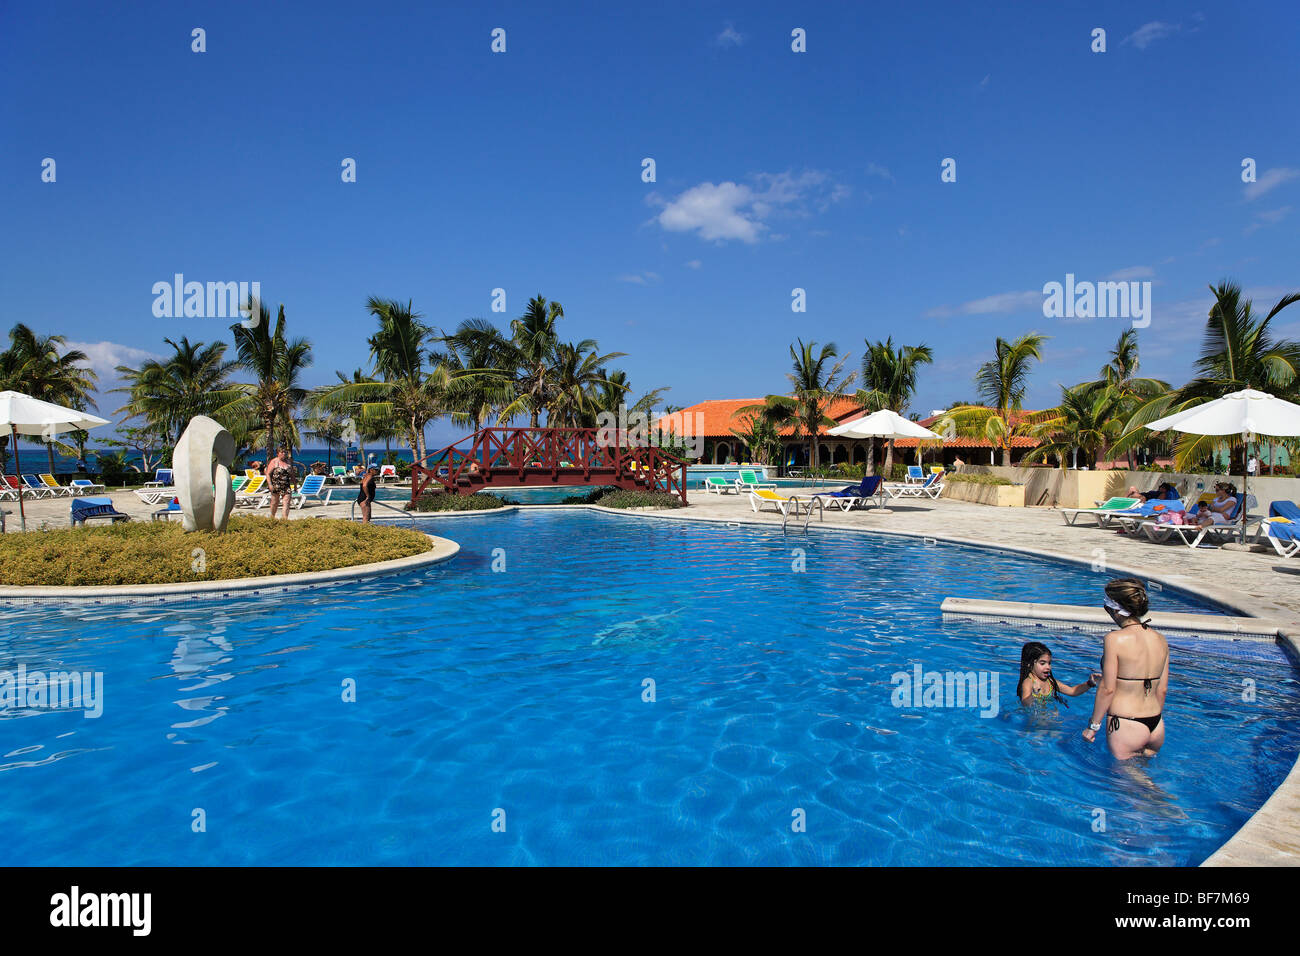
(510, 457)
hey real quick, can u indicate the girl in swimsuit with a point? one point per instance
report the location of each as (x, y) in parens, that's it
(1037, 683)
(1135, 676)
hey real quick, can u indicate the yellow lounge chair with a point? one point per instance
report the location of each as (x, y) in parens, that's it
(762, 497)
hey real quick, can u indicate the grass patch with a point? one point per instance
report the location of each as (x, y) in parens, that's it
(140, 552)
(976, 478)
(445, 502)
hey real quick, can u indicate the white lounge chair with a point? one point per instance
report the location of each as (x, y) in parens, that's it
(251, 495)
(1195, 536)
(761, 498)
(1102, 512)
(155, 496)
(387, 472)
(749, 481)
(932, 487)
(83, 486)
(715, 485)
(312, 489)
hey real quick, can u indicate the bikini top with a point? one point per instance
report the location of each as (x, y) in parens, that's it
(1146, 682)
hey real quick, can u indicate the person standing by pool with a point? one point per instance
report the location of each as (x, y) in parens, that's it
(1134, 676)
(366, 493)
(1037, 683)
(280, 476)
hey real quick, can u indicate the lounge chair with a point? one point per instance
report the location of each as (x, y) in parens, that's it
(251, 473)
(339, 473)
(237, 483)
(762, 497)
(1282, 528)
(154, 496)
(83, 486)
(715, 485)
(390, 471)
(83, 509)
(36, 488)
(173, 510)
(915, 474)
(313, 488)
(937, 469)
(8, 489)
(870, 489)
(252, 495)
(1132, 518)
(749, 481)
(161, 478)
(932, 487)
(59, 491)
(1192, 535)
(1102, 512)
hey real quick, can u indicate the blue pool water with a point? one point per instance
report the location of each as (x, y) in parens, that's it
(533, 495)
(521, 690)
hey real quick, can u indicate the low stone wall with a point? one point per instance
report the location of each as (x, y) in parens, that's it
(1067, 488)
(1002, 496)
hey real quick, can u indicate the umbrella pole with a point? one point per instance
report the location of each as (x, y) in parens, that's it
(22, 515)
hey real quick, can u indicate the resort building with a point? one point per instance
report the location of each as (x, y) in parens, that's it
(718, 421)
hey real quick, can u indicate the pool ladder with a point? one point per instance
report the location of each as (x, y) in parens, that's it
(352, 513)
(807, 513)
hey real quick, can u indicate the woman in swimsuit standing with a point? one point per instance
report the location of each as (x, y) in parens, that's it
(1134, 676)
(366, 493)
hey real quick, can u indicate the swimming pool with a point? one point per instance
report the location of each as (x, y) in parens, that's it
(528, 495)
(521, 690)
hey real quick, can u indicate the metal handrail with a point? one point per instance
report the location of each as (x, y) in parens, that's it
(352, 512)
(807, 511)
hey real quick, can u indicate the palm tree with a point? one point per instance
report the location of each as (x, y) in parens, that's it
(277, 363)
(1238, 351)
(889, 380)
(1087, 420)
(533, 339)
(43, 367)
(406, 389)
(1001, 383)
(167, 393)
(816, 382)
(760, 436)
(1121, 375)
(578, 377)
(475, 355)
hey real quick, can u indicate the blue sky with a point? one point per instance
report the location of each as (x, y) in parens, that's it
(775, 170)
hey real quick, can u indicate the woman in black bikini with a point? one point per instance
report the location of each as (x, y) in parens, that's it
(1134, 676)
(366, 493)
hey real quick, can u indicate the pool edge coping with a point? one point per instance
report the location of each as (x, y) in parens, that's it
(444, 549)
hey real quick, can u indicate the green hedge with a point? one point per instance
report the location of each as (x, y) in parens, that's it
(979, 479)
(622, 498)
(446, 502)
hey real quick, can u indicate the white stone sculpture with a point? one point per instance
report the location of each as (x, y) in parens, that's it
(201, 470)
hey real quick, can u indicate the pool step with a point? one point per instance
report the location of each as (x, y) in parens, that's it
(1207, 625)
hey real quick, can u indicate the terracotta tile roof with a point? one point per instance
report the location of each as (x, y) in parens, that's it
(720, 414)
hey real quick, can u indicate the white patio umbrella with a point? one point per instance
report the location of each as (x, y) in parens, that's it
(1248, 413)
(882, 424)
(31, 416)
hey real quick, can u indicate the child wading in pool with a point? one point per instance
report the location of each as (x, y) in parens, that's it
(1037, 685)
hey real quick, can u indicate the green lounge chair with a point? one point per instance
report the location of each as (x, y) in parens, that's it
(715, 485)
(749, 481)
(1101, 513)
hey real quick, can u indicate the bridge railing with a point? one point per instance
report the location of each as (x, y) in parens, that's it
(529, 451)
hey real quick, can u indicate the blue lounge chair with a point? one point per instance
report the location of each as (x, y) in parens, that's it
(1282, 528)
(1193, 535)
(83, 509)
(83, 486)
(915, 474)
(312, 487)
(1146, 511)
(36, 488)
(871, 488)
(161, 478)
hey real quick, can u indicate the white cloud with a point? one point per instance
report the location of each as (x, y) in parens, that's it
(1000, 303)
(1267, 218)
(1132, 272)
(694, 264)
(729, 37)
(984, 83)
(728, 210)
(1148, 33)
(104, 357)
(639, 278)
(1269, 181)
(875, 170)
